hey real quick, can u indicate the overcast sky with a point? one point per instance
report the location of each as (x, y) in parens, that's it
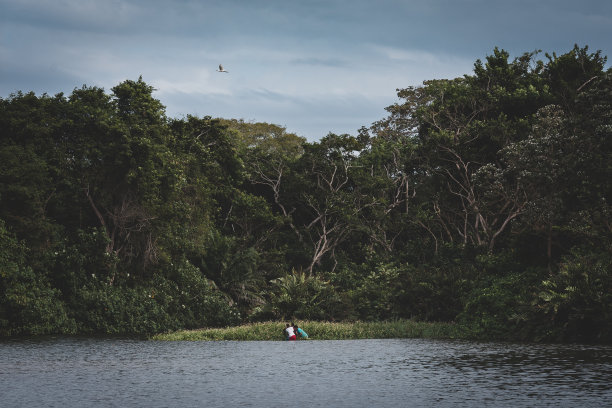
(312, 66)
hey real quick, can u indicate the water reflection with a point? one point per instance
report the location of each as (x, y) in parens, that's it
(106, 372)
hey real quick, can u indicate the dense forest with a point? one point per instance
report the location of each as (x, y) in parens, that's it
(482, 200)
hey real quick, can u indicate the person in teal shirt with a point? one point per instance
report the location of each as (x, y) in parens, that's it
(299, 332)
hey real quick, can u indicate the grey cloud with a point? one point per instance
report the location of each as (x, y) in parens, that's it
(326, 62)
(309, 66)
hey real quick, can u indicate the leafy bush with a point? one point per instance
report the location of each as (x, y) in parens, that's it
(500, 308)
(302, 296)
(28, 304)
(377, 295)
(183, 299)
(576, 303)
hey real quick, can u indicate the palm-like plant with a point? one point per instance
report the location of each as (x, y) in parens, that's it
(304, 296)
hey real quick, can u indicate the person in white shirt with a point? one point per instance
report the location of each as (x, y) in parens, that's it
(289, 332)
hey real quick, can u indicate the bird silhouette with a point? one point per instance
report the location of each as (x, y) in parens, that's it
(221, 69)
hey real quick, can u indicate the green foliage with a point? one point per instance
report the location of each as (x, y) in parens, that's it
(234, 270)
(425, 292)
(569, 72)
(397, 329)
(377, 296)
(108, 309)
(181, 299)
(467, 203)
(576, 303)
(499, 309)
(29, 305)
(301, 296)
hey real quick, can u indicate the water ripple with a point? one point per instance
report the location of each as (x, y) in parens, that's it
(69, 372)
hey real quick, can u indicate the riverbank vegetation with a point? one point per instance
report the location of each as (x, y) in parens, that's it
(482, 200)
(399, 329)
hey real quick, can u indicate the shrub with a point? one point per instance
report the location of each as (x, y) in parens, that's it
(28, 304)
(575, 304)
(182, 298)
(302, 296)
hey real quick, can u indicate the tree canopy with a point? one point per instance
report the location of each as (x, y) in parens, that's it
(483, 200)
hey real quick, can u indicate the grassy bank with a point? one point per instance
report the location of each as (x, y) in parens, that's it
(323, 331)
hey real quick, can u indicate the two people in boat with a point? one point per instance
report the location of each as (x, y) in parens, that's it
(293, 332)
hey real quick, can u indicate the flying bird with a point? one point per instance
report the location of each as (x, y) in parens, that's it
(221, 69)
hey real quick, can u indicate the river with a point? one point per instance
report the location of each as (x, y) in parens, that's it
(77, 372)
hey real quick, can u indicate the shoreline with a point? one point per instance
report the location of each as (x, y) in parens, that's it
(272, 331)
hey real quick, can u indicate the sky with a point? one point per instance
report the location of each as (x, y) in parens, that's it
(311, 66)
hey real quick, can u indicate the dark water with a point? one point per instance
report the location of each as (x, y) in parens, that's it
(361, 373)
